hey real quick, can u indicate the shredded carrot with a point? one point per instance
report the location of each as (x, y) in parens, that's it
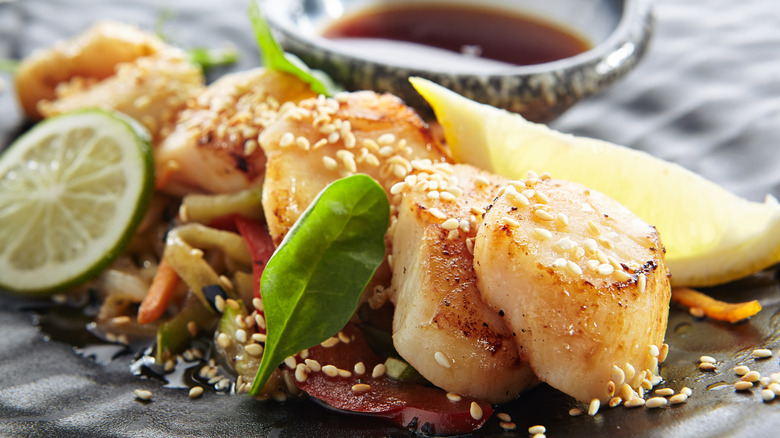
(159, 294)
(704, 305)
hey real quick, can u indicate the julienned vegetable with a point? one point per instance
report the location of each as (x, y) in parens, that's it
(275, 58)
(311, 286)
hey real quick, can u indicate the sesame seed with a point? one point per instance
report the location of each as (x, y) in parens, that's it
(664, 350)
(646, 384)
(503, 416)
(533, 430)
(257, 303)
(453, 397)
(223, 340)
(696, 312)
(593, 228)
(514, 223)
(451, 224)
(618, 376)
(303, 143)
(517, 198)
(507, 425)
(560, 263)
(330, 342)
(593, 407)
(543, 215)
(708, 359)
(329, 163)
(287, 139)
(240, 336)
(742, 385)
(169, 365)
(330, 370)
(775, 387)
(767, 394)
(476, 411)
(142, 394)
(442, 359)
(605, 269)
(678, 398)
(562, 219)
(762, 353)
(635, 402)
(573, 268)
(566, 244)
(741, 370)
(378, 371)
(360, 388)
(344, 338)
(219, 303)
(290, 362)
(192, 328)
(260, 321)
(435, 212)
(481, 182)
(359, 368)
(254, 350)
(627, 392)
(764, 381)
(300, 373)
(664, 392)
(386, 139)
(623, 275)
(313, 365)
(574, 412)
(453, 235)
(751, 377)
(687, 391)
(542, 234)
(656, 402)
(196, 391)
(447, 196)
(642, 285)
(615, 401)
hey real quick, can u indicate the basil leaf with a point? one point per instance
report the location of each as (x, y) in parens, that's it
(312, 284)
(275, 58)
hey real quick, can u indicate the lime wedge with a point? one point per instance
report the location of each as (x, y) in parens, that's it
(72, 191)
(711, 235)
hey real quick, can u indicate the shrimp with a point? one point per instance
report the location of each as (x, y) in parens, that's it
(114, 66)
(441, 325)
(213, 144)
(581, 281)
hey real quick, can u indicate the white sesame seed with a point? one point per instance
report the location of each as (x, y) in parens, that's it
(560, 263)
(447, 196)
(533, 430)
(290, 362)
(453, 397)
(630, 371)
(654, 351)
(313, 365)
(542, 234)
(664, 392)
(656, 402)
(517, 198)
(287, 139)
(593, 228)
(386, 139)
(481, 182)
(635, 402)
(219, 303)
(678, 398)
(379, 370)
(566, 244)
(622, 275)
(330, 370)
(762, 353)
(751, 377)
(543, 215)
(574, 412)
(605, 269)
(767, 394)
(593, 407)
(143, 394)
(742, 385)
(435, 212)
(562, 219)
(512, 222)
(687, 391)
(360, 388)
(618, 376)
(329, 163)
(254, 350)
(476, 411)
(300, 373)
(708, 359)
(196, 391)
(223, 340)
(442, 359)
(450, 224)
(330, 342)
(240, 336)
(508, 426)
(503, 416)
(573, 268)
(642, 285)
(741, 370)
(775, 387)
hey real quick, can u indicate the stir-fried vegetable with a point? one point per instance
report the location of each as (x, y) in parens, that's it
(311, 286)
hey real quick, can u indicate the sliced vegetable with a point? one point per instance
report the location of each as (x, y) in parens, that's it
(159, 294)
(175, 334)
(260, 244)
(420, 408)
(275, 58)
(204, 208)
(9, 65)
(311, 286)
(712, 308)
(399, 369)
(209, 58)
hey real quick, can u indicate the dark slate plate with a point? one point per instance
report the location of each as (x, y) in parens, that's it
(706, 96)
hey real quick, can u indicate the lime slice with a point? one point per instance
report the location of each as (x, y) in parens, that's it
(72, 191)
(711, 235)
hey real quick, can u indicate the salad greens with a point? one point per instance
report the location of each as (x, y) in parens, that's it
(312, 284)
(275, 58)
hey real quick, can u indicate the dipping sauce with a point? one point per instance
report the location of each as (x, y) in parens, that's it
(495, 34)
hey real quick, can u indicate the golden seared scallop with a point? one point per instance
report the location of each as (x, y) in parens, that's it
(320, 140)
(441, 325)
(581, 281)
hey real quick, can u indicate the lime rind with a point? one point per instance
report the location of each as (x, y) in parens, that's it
(58, 226)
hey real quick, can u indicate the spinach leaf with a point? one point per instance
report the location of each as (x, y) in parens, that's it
(275, 58)
(311, 286)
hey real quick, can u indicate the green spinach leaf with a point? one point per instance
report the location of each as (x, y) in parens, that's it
(275, 58)
(311, 286)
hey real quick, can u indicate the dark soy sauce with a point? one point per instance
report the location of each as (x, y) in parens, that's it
(471, 30)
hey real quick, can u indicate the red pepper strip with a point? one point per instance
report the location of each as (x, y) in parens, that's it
(260, 244)
(416, 407)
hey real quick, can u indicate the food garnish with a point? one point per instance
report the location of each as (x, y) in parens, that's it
(72, 191)
(311, 286)
(711, 235)
(712, 308)
(275, 58)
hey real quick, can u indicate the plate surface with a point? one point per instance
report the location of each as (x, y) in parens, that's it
(707, 96)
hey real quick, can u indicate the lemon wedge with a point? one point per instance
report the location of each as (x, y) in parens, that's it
(711, 235)
(72, 191)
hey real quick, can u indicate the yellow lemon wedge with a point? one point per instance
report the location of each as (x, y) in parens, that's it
(711, 236)
(72, 191)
